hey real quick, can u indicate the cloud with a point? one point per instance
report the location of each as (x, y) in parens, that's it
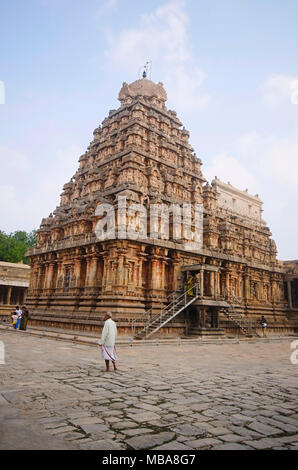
(26, 195)
(229, 169)
(13, 160)
(279, 89)
(266, 165)
(105, 6)
(162, 37)
(259, 158)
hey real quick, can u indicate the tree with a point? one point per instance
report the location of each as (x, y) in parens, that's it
(13, 246)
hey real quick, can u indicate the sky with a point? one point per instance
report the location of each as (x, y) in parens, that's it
(230, 69)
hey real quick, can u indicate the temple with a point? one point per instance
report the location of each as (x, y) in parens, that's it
(155, 283)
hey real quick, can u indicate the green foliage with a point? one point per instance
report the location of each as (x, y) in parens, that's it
(13, 246)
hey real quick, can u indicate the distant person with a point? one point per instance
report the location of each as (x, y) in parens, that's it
(14, 320)
(24, 319)
(190, 283)
(264, 325)
(107, 341)
(18, 312)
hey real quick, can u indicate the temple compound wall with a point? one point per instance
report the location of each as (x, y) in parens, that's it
(14, 283)
(141, 153)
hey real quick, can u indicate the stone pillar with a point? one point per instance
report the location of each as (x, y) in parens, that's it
(141, 267)
(176, 269)
(105, 271)
(120, 271)
(46, 277)
(227, 284)
(59, 283)
(41, 277)
(155, 274)
(212, 282)
(202, 282)
(49, 275)
(218, 284)
(246, 287)
(77, 270)
(9, 291)
(162, 273)
(215, 283)
(91, 271)
(290, 294)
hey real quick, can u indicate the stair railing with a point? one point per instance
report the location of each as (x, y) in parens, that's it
(165, 311)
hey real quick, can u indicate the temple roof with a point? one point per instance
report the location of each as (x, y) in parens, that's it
(143, 87)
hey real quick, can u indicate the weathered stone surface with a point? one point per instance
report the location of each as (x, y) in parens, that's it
(149, 441)
(104, 444)
(263, 429)
(232, 446)
(86, 420)
(61, 430)
(120, 425)
(94, 428)
(173, 445)
(70, 411)
(143, 416)
(206, 443)
(261, 444)
(188, 430)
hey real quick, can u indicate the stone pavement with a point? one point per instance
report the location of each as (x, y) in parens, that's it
(176, 397)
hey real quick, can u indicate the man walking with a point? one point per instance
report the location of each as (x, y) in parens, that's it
(107, 341)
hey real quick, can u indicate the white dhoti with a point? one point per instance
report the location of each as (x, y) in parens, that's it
(108, 353)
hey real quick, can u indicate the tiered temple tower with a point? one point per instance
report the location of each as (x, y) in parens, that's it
(141, 153)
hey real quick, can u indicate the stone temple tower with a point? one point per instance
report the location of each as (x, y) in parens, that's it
(141, 155)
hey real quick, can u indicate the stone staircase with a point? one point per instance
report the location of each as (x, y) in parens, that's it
(180, 301)
(246, 327)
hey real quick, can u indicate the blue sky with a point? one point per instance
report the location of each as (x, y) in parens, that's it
(230, 69)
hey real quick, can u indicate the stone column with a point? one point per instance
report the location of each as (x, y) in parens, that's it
(227, 284)
(246, 287)
(45, 283)
(202, 282)
(215, 285)
(49, 275)
(289, 284)
(155, 273)
(176, 270)
(9, 291)
(59, 283)
(91, 271)
(41, 276)
(212, 284)
(120, 271)
(162, 273)
(77, 270)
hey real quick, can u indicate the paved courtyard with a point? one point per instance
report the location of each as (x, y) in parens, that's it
(54, 394)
